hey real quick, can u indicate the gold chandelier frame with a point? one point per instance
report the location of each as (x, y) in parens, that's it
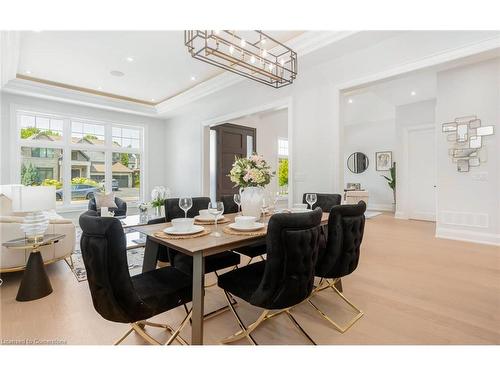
(260, 57)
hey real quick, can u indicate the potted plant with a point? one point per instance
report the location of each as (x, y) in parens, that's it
(251, 175)
(391, 181)
(159, 195)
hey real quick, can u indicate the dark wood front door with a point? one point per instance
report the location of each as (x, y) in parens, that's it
(232, 141)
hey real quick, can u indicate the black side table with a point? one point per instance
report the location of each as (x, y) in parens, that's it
(35, 283)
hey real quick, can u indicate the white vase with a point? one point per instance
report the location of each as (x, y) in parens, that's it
(251, 201)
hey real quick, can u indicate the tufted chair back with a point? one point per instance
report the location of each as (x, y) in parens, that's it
(325, 201)
(120, 203)
(173, 211)
(292, 248)
(103, 247)
(346, 226)
(229, 206)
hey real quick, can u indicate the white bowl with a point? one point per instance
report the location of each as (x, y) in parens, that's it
(245, 221)
(205, 214)
(182, 224)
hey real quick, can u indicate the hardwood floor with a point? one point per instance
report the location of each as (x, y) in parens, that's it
(412, 287)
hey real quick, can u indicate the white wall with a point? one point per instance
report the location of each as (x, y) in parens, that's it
(154, 130)
(317, 150)
(469, 208)
(371, 137)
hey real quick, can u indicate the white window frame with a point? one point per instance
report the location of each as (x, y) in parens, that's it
(67, 146)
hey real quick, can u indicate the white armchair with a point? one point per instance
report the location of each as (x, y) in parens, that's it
(10, 228)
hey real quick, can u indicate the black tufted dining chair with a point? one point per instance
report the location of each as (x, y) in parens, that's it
(117, 296)
(285, 278)
(325, 201)
(340, 256)
(251, 251)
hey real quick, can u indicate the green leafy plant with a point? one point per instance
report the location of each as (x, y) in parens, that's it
(391, 181)
(51, 182)
(84, 181)
(30, 175)
(283, 172)
(28, 132)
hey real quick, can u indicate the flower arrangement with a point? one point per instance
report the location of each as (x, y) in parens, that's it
(251, 172)
(159, 195)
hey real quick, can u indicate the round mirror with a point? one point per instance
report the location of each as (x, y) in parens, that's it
(357, 162)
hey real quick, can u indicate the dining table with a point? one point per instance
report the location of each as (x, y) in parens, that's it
(199, 248)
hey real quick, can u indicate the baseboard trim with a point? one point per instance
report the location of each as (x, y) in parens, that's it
(380, 207)
(400, 215)
(468, 236)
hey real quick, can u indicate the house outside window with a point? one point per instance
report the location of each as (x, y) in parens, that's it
(80, 157)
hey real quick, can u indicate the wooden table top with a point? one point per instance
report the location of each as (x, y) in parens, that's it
(208, 244)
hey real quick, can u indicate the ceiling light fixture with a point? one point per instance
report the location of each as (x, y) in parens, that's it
(99, 88)
(349, 101)
(227, 50)
(28, 72)
(413, 93)
(130, 59)
(193, 78)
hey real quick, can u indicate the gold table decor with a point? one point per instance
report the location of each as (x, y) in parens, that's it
(211, 222)
(166, 236)
(258, 232)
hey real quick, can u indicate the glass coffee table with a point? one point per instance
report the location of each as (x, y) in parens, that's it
(35, 283)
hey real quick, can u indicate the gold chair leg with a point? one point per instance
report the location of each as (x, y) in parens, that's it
(123, 337)
(299, 327)
(244, 331)
(139, 326)
(178, 330)
(69, 262)
(138, 329)
(330, 320)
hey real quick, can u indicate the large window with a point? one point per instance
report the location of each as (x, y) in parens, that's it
(80, 157)
(282, 166)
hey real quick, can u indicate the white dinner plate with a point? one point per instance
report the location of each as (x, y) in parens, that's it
(207, 219)
(195, 229)
(256, 226)
(300, 210)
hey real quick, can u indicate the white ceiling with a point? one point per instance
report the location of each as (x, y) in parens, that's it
(378, 101)
(161, 66)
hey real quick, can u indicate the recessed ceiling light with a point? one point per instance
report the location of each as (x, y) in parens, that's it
(349, 101)
(130, 59)
(152, 100)
(99, 88)
(116, 73)
(28, 72)
(413, 93)
(193, 78)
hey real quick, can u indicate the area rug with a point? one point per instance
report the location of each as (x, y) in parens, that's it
(134, 259)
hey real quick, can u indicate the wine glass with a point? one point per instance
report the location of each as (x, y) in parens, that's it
(311, 199)
(185, 204)
(237, 200)
(216, 209)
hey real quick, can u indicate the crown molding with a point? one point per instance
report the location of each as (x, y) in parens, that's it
(9, 56)
(51, 92)
(303, 44)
